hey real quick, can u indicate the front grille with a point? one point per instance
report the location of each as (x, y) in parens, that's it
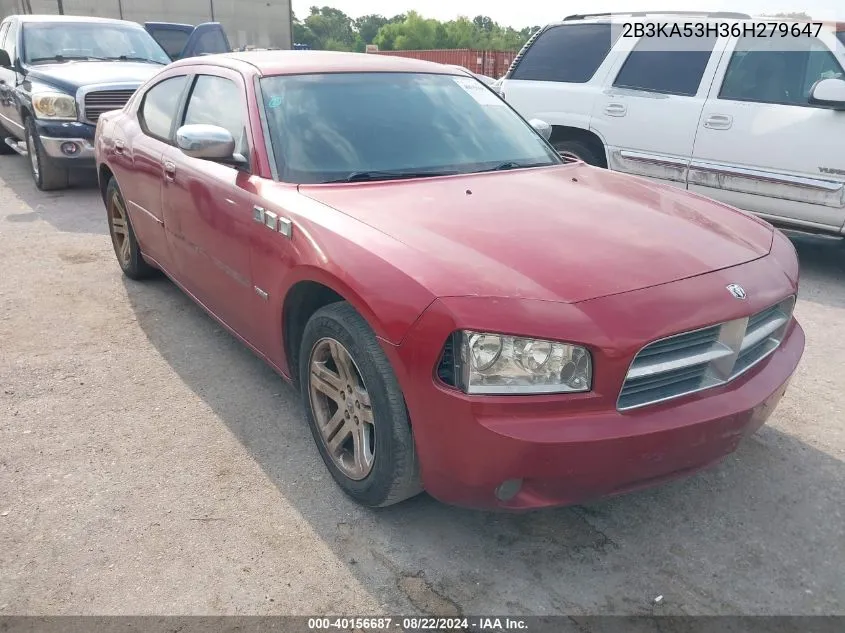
(701, 359)
(101, 101)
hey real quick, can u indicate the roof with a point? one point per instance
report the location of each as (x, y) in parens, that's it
(673, 16)
(73, 18)
(303, 62)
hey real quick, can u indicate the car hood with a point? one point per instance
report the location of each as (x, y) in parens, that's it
(566, 233)
(70, 76)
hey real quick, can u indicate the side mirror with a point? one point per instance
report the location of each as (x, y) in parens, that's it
(208, 142)
(5, 61)
(828, 93)
(543, 128)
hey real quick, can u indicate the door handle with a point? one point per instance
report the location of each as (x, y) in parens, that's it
(719, 122)
(170, 170)
(616, 109)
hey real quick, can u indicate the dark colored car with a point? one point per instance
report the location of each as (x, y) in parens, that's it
(463, 312)
(58, 74)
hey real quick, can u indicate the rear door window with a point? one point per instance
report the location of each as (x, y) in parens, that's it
(774, 71)
(569, 53)
(160, 107)
(667, 65)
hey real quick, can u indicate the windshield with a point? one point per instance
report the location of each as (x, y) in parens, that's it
(62, 41)
(334, 127)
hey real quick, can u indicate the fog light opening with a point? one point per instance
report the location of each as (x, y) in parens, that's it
(508, 489)
(70, 149)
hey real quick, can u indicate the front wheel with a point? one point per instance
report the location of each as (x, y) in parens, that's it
(48, 176)
(575, 150)
(355, 408)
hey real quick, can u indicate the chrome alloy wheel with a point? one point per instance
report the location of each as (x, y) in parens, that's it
(342, 409)
(119, 225)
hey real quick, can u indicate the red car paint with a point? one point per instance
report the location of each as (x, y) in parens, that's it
(611, 261)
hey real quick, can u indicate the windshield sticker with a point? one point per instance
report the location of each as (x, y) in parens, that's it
(478, 91)
(274, 102)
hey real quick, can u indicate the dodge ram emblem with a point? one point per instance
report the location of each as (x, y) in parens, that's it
(737, 291)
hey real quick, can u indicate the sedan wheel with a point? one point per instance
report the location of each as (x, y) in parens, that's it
(356, 409)
(342, 409)
(123, 237)
(119, 226)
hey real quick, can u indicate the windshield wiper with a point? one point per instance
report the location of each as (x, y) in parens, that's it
(132, 58)
(58, 58)
(510, 164)
(367, 176)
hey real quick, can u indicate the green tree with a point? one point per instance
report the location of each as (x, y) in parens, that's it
(790, 16)
(331, 28)
(368, 26)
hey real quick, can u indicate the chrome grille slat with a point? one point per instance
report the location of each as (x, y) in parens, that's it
(693, 361)
(682, 341)
(101, 101)
(656, 365)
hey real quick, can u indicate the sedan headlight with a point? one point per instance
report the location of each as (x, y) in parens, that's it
(54, 105)
(497, 364)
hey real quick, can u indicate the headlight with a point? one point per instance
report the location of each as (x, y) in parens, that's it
(497, 364)
(54, 105)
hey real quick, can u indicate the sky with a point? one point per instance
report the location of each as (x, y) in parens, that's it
(520, 13)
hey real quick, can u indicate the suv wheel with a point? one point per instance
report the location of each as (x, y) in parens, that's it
(47, 175)
(575, 150)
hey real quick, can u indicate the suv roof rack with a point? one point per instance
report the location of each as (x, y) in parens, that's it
(638, 14)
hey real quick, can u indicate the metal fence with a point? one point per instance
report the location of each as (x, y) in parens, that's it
(259, 23)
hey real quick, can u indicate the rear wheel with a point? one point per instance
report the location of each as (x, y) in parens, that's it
(355, 408)
(123, 236)
(48, 176)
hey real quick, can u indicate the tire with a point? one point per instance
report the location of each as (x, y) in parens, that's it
(5, 150)
(48, 176)
(579, 151)
(123, 238)
(393, 474)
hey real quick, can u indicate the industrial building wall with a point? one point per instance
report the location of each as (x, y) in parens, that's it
(259, 23)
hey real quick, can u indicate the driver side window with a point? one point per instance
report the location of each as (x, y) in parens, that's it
(767, 70)
(219, 101)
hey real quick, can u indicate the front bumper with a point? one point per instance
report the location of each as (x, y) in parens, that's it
(570, 448)
(54, 135)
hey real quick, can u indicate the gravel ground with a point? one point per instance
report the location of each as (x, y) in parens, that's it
(150, 464)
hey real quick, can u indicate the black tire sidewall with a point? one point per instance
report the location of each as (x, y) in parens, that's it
(579, 149)
(50, 176)
(393, 439)
(136, 268)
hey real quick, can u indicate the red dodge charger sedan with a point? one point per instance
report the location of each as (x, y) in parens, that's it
(463, 312)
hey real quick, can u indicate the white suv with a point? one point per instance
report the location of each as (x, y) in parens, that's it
(756, 122)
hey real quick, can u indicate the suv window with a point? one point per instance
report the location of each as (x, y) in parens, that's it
(159, 107)
(664, 65)
(570, 53)
(218, 101)
(768, 71)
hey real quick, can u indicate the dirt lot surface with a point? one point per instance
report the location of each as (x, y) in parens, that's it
(149, 464)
